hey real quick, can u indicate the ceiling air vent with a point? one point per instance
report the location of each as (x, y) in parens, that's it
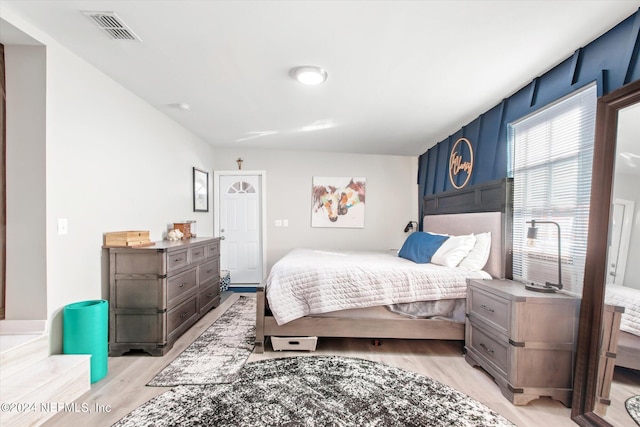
(111, 24)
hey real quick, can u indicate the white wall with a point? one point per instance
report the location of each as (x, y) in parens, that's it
(110, 162)
(391, 197)
(626, 187)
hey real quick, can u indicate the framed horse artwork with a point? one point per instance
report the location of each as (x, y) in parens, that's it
(338, 202)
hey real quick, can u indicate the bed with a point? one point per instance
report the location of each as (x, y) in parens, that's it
(628, 301)
(378, 321)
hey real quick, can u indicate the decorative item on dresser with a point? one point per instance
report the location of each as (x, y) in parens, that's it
(129, 238)
(525, 340)
(156, 293)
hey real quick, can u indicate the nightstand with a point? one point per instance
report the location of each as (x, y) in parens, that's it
(524, 339)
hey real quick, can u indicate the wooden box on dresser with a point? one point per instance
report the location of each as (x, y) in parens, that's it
(157, 292)
(525, 340)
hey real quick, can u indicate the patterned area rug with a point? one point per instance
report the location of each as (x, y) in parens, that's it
(633, 408)
(316, 391)
(217, 355)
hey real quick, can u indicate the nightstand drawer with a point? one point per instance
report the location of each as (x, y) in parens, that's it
(494, 351)
(490, 308)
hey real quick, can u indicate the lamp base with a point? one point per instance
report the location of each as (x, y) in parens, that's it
(540, 288)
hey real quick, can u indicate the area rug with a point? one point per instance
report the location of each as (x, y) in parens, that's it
(633, 408)
(316, 391)
(217, 355)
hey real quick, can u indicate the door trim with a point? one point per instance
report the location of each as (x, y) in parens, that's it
(263, 207)
(625, 234)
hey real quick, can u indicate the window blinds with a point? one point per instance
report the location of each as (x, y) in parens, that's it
(552, 153)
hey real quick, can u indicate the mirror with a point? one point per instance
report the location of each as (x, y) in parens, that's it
(610, 268)
(623, 276)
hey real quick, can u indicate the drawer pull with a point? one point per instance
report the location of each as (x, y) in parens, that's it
(184, 314)
(209, 271)
(487, 349)
(489, 309)
(181, 285)
(210, 295)
(177, 260)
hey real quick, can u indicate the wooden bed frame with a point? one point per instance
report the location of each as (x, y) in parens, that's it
(477, 209)
(617, 348)
(628, 351)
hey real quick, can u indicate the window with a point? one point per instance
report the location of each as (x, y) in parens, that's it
(241, 187)
(552, 153)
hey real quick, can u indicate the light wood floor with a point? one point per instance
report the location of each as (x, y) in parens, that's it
(123, 389)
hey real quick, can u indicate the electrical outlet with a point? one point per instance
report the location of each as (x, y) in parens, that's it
(285, 222)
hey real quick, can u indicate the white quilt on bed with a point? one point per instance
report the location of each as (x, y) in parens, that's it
(307, 281)
(629, 298)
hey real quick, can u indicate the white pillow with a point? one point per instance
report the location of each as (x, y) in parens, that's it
(453, 250)
(479, 255)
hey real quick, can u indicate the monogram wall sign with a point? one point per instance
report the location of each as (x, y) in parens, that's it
(460, 161)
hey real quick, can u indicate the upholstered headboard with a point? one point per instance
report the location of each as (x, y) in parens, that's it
(476, 209)
(479, 222)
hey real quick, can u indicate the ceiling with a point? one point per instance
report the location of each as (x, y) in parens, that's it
(403, 75)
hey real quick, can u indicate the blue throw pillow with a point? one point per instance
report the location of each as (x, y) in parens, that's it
(420, 246)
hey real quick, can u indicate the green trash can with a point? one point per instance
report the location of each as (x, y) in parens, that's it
(85, 328)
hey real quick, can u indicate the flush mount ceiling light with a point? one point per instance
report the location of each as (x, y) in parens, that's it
(309, 75)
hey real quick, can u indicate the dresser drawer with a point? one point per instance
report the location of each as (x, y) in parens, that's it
(197, 253)
(490, 308)
(213, 249)
(209, 270)
(137, 328)
(129, 261)
(180, 284)
(491, 349)
(209, 297)
(130, 293)
(177, 260)
(181, 314)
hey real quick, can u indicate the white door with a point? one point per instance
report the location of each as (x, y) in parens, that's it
(621, 217)
(240, 227)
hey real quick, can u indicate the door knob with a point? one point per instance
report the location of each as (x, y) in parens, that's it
(222, 237)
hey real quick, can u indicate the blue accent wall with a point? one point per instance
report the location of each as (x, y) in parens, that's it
(611, 61)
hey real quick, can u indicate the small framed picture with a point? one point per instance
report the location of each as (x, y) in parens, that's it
(200, 190)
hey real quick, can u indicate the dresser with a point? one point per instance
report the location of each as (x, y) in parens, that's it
(157, 292)
(525, 340)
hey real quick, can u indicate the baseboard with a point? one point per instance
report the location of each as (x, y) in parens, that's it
(250, 288)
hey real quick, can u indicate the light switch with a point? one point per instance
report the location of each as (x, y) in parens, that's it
(278, 223)
(63, 226)
(285, 222)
